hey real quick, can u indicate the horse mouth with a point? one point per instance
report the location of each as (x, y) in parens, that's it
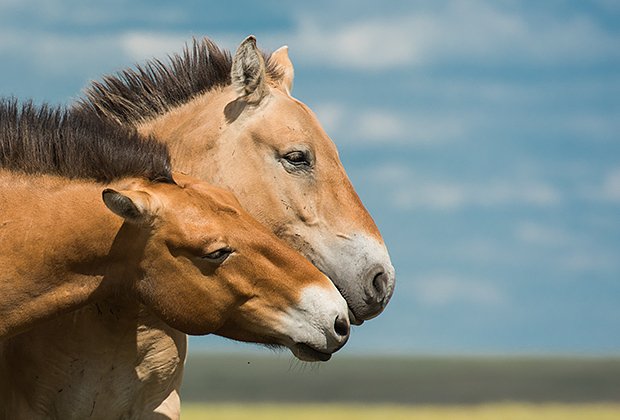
(353, 319)
(308, 354)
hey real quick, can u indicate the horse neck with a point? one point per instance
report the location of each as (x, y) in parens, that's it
(59, 249)
(178, 127)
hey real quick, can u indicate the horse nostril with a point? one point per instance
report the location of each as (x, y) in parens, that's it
(379, 283)
(341, 326)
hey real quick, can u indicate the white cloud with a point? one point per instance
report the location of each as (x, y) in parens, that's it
(412, 191)
(371, 44)
(140, 46)
(381, 125)
(440, 289)
(61, 53)
(430, 195)
(539, 234)
(611, 186)
(573, 251)
(606, 189)
(372, 126)
(92, 53)
(76, 12)
(480, 32)
(610, 5)
(592, 127)
(332, 116)
(580, 260)
(484, 250)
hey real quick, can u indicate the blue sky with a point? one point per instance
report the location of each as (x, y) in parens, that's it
(483, 136)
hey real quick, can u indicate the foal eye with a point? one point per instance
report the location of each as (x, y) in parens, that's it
(218, 256)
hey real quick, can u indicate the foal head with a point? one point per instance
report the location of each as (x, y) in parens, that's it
(206, 266)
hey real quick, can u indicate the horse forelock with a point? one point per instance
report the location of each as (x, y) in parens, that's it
(134, 95)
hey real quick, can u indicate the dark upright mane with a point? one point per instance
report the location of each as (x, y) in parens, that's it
(135, 95)
(52, 140)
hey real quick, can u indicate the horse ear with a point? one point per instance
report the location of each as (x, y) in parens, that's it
(133, 206)
(248, 71)
(281, 59)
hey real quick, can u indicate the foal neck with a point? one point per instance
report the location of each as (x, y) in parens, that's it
(60, 248)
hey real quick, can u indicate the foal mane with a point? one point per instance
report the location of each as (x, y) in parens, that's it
(135, 95)
(53, 140)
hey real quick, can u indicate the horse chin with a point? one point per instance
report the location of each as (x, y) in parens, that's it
(353, 319)
(306, 353)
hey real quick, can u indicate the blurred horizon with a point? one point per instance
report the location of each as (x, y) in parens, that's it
(401, 380)
(483, 137)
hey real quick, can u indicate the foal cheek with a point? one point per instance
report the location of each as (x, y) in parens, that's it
(212, 303)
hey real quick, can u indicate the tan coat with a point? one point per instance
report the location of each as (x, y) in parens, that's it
(188, 252)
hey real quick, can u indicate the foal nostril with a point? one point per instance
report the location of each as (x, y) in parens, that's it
(341, 326)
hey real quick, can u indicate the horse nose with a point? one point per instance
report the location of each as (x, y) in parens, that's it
(340, 332)
(379, 287)
(341, 326)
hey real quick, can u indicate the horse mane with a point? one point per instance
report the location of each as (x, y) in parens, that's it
(135, 95)
(52, 140)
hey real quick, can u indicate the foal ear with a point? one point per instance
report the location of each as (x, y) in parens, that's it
(281, 59)
(248, 71)
(133, 206)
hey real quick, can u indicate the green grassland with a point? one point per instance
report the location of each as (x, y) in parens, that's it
(402, 381)
(381, 412)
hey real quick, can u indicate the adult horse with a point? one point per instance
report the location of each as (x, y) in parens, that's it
(183, 248)
(232, 122)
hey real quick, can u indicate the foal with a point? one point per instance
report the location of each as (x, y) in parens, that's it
(181, 247)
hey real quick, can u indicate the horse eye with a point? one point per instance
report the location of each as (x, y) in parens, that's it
(218, 256)
(297, 159)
